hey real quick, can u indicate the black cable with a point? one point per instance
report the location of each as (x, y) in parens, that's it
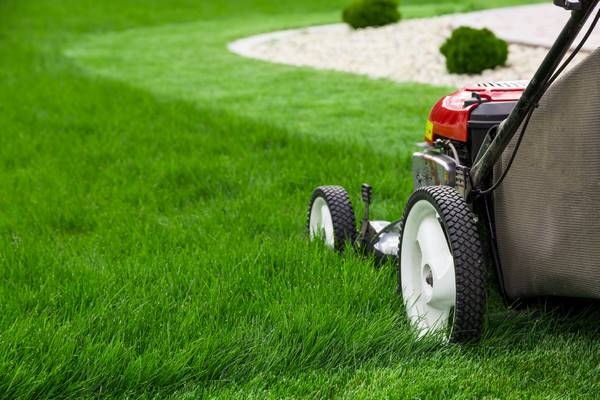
(555, 76)
(512, 157)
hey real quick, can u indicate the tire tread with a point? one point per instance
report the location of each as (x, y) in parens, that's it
(463, 237)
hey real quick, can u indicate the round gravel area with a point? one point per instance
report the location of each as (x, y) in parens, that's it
(405, 52)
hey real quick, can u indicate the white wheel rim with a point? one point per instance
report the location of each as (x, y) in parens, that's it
(321, 224)
(427, 270)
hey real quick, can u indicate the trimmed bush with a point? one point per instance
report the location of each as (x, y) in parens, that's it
(365, 13)
(471, 51)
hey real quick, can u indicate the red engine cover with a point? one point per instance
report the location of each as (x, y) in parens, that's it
(450, 115)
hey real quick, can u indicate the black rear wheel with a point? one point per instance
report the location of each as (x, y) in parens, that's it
(440, 265)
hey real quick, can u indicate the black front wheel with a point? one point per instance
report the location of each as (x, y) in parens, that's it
(331, 217)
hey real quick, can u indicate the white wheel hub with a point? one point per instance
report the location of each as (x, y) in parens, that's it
(321, 223)
(427, 270)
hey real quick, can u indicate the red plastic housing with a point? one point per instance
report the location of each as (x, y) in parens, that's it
(450, 116)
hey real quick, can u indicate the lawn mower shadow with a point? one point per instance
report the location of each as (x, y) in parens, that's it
(530, 321)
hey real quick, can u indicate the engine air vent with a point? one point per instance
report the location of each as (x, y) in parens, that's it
(504, 85)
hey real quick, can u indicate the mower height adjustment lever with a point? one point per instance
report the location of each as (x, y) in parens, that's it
(366, 190)
(571, 5)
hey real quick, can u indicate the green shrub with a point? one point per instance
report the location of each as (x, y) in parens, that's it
(470, 51)
(364, 13)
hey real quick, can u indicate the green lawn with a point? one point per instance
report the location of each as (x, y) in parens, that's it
(153, 194)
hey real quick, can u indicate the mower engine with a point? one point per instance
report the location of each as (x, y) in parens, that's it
(458, 126)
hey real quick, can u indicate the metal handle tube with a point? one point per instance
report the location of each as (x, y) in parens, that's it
(508, 128)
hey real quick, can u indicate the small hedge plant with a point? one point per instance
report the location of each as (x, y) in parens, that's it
(471, 51)
(365, 13)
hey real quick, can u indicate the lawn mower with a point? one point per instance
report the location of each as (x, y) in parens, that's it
(507, 179)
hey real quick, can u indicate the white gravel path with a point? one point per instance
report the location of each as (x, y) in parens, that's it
(406, 51)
